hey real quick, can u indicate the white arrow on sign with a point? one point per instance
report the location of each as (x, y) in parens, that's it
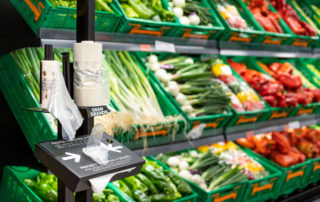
(70, 156)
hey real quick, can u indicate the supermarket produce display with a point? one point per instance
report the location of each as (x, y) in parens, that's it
(221, 99)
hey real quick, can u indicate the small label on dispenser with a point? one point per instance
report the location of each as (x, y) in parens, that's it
(97, 111)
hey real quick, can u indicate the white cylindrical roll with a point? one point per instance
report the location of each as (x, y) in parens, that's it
(89, 97)
(49, 76)
(89, 85)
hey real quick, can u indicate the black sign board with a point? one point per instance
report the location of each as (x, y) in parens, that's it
(67, 161)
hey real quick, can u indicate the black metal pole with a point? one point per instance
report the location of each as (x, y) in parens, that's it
(85, 32)
(85, 20)
(64, 193)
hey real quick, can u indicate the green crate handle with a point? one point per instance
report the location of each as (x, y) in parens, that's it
(149, 31)
(316, 166)
(208, 125)
(189, 33)
(257, 188)
(291, 174)
(303, 110)
(37, 11)
(232, 195)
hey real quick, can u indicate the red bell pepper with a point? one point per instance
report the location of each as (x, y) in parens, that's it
(283, 160)
(271, 100)
(283, 144)
(240, 68)
(246, 143)
(290, 81)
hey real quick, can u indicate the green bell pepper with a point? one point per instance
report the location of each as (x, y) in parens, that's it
(123, 187)
(140, 196)
(147, 182)
(141, 9)
(129, 11)
(182, 186)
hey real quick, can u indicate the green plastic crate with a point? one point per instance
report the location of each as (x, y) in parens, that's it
(297, 40)
(18, 95)
(264, 188)
(242, 118)
(293, 177)
(214, 123)
(229, 193)
(138, 26)
(14, 189)
(274, 112)
(301, 109)
(201, 31)
(41, 14)
(191, 198)
(314, 172)
(235, 34)
(159, 134)
(270, 37)
(302, 66)
(312, 14)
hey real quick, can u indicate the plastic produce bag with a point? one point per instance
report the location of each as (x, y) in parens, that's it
(63, 108)
(95, 149)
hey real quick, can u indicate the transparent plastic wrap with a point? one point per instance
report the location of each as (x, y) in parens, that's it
(61, 106)
(95, 149)
(99, 153)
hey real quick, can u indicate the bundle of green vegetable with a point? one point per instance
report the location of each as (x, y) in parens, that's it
(154, 184)
(101, 5)
(28, 61)
(192, 12)
(146, 9)
(205, 169)
(191, 84)
(46, 187)
(133, 95)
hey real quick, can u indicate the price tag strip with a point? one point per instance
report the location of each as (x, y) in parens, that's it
(165, 46)
(67, 161)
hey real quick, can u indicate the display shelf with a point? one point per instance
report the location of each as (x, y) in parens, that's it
(265, 50)
(309, 193)
(120, 41)
(179, 145)
(236, 132)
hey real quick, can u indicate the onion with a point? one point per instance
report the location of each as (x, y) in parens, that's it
(194, 19)
(189, 60)
(183, 165)
(167, 78)
(179, 3)
(178, 11)
(160, 73)
(155, 66)
(197, 179)
(173, 88)
(152, 59)
(187, 108)
(181, 99)
(173, 161)
(185, 174)
(184, 20)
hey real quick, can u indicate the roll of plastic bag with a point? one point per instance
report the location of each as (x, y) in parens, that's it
(90, 79)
